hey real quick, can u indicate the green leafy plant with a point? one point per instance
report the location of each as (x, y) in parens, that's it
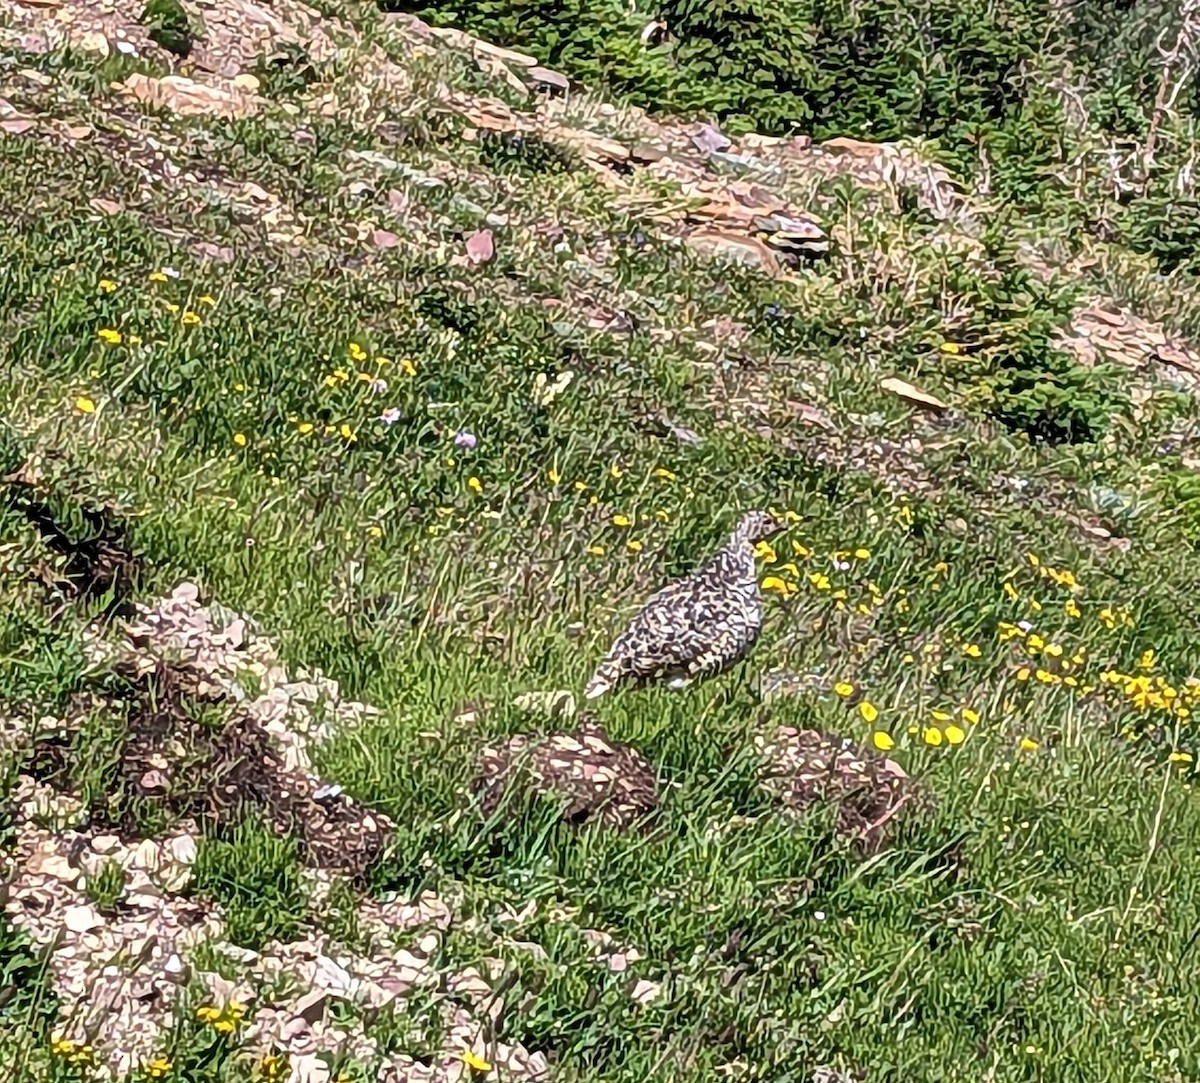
(105, 887)
(255, 874)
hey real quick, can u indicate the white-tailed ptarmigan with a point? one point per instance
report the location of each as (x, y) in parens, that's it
(697, 626)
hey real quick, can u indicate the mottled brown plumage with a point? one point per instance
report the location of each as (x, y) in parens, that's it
(697, 626)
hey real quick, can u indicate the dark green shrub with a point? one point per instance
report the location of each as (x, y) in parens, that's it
(1167, 229)
(1051, 398)
(595, 41)
(169, 26)
(1018, 374)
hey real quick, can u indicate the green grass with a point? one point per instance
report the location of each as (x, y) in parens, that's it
(1037, 922)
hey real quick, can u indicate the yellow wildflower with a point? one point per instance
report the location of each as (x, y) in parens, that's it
(802, 551)
(375, 531)
(955, 735)
(615, 471)
(206, 299)
(1054, 650)
(969, 715)
(779, 585)
(1008, 631)
(62, 1047)
(224, 1026)
(665, 474)
(765, 552)
(158, 1067)
(633, 545)
(882, 741)
(821, 582)
(109, 335)
(208, 1014)
(1010, 590)
(622, 521)
(844, 689)
(407, 367)
(868, 710)
(274, 1065)
(596, 550)
(239, 438)
(304, 428)
(1071, 609)
(932, 736)
(971, 650)
(107, 285)
(939, 716)
(1028, 744)
(475, 1062)
(1032, 558)
(357, 352)
(1147, 659)
(475, 485)
(85, 405)
(950, 348)
(346, 433)
(1180, 757)
(862, 554)
(189, 319)
(554, 476)
(157, 276)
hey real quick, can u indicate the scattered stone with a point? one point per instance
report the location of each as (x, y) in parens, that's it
(910, 393)
(645, 992)
(736, 248)
(82, 919)
(791, 237)
(189, 97)
(552, 80)
(709, 140)
(480, 246)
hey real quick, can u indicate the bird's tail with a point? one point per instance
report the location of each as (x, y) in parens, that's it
(602, 680)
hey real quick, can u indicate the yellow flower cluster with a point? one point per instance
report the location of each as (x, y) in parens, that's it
(785, 578)
(946, 728)
(1145, 693)
(222, 1020)
(72, 1052)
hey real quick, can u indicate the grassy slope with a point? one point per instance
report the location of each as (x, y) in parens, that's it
(1058, 949)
